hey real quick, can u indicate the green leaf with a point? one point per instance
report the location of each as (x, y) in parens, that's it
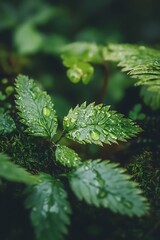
(97, 124)
(50, 208)
(82, 51)
(12, 172)
(141, 62)
(67, 157)
(80, 70)
(7, 124)
(136, 113)
(35, 108)
(104, 184)
(27, 39)
(77, 57)
(151, 96)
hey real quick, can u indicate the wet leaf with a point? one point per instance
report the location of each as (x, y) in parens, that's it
(35, 108)
(102, 183)
(49, 207)
(98, 124)
(67, 156)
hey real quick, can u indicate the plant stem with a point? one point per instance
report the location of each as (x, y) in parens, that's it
(104, 85)
(59, 139)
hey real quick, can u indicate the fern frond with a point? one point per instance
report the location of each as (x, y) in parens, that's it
(35, 108)
(50, 208)
(102, 183)
(142, 63)
(97, 124)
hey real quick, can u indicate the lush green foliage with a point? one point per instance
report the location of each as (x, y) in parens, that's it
(141, 63)
(13, 172)
(67, 156)
(103, 184)
(98, 182)
(97, 124)
(50, 208)
(35, 108)
(35, 167)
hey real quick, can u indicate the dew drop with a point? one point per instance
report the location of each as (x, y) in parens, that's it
(46, 112)
(102, 193)
(95, 135)
(65, 119)
(105, 132)
(77, 134)
(73, 120)
(119, 199)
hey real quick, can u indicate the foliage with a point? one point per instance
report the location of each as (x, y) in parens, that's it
(103, 184)
(7, 124)
(136, 113)
(67, 156)
(97, 124)
(13, 172)
(32, 35)
(141, 63)
(49, 208)
(35, 108)
(99, 182)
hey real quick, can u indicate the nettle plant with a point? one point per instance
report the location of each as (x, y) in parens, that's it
(98, 182)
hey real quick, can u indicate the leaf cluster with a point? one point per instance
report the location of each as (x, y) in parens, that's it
(98, 182)
(140, 62)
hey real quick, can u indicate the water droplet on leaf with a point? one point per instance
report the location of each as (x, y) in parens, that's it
(95, 135)
(102, 193)
(46, 112)
(73, 120)
(77, 134)
(105, 132)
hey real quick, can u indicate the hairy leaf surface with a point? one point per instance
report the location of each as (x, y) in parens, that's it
(104, 184)
(97, 124)
(12, 172)
(50, 208)
(67, 156)
(35, 108)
